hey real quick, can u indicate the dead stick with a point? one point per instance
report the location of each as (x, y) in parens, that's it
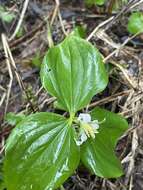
(109, 99)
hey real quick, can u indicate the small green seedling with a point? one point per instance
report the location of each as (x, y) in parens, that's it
(36, 60)
(135, 24)
(5, 15)
(114, 5)
(44, 149)
(95, 2)
(20, 32)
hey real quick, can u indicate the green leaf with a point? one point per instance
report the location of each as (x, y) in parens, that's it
(135, 24)
(2, 186)
(13, 119)
(40, 153)
(5, 15)
(74, 72)
(20, 32)
(79, 31)
(95, 2)
(109, 68)
(98, 154)
(57, 105)
(36, 60)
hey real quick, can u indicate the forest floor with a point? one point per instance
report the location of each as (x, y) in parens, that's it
(20, 86)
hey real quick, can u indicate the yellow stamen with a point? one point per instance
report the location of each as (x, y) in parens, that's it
(88, 130)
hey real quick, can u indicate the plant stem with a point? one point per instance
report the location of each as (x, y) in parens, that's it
(72, 114)
(111, 5)
(62, 188)
(49, 35)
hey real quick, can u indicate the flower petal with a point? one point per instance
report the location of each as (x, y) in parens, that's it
(84, 117)
(83, 137)
(95, 125)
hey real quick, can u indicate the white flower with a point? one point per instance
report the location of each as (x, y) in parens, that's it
(84, 117)
(88, 128)
(81, 138)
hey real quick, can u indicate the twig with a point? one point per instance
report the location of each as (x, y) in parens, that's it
(49, 35)
(3, 145)
(133, 153)
(105, 37)
(109, 99)
(120, 47)
(20, 19)
(111, 5)
(61, 22)
(2, 88)
(124, 72)
(2, 98)
(98, 27)
(55, 12)
(113, 19)
(124, 10)
(38, 92)
(27, 35)
(9, 55)
(136, 4)
(9, 70)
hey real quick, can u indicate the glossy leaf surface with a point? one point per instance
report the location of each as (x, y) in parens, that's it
(40, 153)
(98, 154)
(135, 24)
(73, 71)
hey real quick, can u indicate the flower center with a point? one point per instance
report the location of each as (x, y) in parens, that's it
(87, 128)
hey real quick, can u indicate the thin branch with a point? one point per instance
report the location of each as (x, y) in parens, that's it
(124, 72)
(11, 60)
(55, 12)
(9, 71)
(20, 20)
(109, 99)
(98, 27)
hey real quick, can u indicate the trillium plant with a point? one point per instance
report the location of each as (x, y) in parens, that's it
(45, 149)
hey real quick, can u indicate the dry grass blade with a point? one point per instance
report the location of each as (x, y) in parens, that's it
(119, 47)
(26, 2)
(2, 99)
(109, 99)
(98, 27)
(125, 74)
(11, 62)
(55, 12)
(9, 70)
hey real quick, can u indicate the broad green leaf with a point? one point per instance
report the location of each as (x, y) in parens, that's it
(135, 24)
(98, 154)
(2, 186)
(40, 153)
(57, 105)
(95, 2)
(13, 119)
(74, 72)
